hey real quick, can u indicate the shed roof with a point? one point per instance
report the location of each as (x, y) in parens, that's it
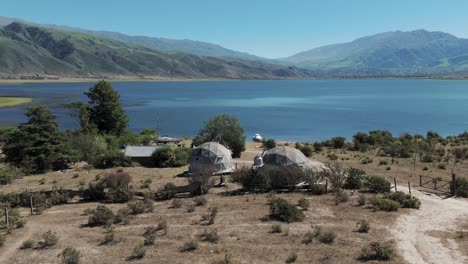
(139, 151)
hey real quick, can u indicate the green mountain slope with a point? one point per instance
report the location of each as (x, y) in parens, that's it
(418, 51)
(30, 50)
(164, 44)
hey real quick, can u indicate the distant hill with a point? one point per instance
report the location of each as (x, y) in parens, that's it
(400, 53)
(164, 44)
(29, 50)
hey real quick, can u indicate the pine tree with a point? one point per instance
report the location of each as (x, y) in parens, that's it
(38, 145)
(105, 110)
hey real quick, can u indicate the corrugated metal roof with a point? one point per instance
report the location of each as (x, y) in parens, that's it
(139, 151)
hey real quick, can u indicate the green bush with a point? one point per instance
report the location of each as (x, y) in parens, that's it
(48, 239)
(363, 226)
(167, 157)
(123, 216)
(355, 179)
(269, 144)
(332, 156)
(282, 210)
(327, 237)
(405, 200)
(383, 162)
(461, 187)
(378, 184)
(27, 244)
(377, 251)
(112, 160)
(71, 256)
(384, 204)
(168, 191)
(102, 216)
(268, 178)
(7, 174)
(441, 166)
(366, 160)
(338, 142)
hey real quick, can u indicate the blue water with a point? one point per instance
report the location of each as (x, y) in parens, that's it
(288, 110)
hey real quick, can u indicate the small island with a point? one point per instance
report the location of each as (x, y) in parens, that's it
(7, 101)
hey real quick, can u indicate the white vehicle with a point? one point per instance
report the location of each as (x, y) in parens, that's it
(257, 138)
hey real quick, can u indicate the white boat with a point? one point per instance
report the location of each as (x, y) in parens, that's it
(258, 138)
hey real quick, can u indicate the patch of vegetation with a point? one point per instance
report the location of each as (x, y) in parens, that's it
(405, 200)
(461, 187)
(188, 246)
(150, 235)
(327, 237)
(282, 210)
(209, 236)
(303, 203)
(209, 219)
(48, 239)
(378, 184)
(27, 244)
(384, 204)
(168, 157)
(381, 251)
(138, 252)
(363, 226)
(269, 144)
(200, 201)
(292, 257)
(355, 180)
(176, 203)
(102, 216)
(341, 197)
(276, 228)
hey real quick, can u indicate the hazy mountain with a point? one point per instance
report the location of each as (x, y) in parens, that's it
(164, 44)
(398, 52)
(29, 50)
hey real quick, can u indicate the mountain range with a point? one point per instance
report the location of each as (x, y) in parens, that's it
(28, 48)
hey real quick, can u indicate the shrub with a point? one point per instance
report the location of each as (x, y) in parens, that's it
(199, 201)
(377, 251)
(189, 246)
(282, 210)
(7, 174)
(362, 200)
(146, 184)
(292, 257)
(317, 146)
(461, 187)
(310, 235)
(338, 142)
(383, 204)
(176, 203)
(336, 175)
(306, 149)
(2, 240)
(162, 226)
(377, 184)
(48, 239)
(150, 235)
(366, 160)
(441, 166)
(209, 236)
(355, 179)
(138, 207)
(123, 216)
(405, 200)
(138, 251)
(191, 208)
(27, 244)
(102, 216)
(327, 237)
(269, 144)
(276, 228)
(112, 160)
(332, 156)
(363, 226)
(304, 204)
(109, 235)
(71, 256)
(341, 197)
(383, 162)
(167, 157)
(211, 216)
(269, 178)
(425, 168)
(168, 191)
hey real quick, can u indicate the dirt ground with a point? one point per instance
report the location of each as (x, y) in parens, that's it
(242, 232)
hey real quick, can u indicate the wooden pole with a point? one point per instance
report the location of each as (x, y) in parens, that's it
(454, 186)
(420, 180)
(7, 218)
(31, 204)
(394, 181)
(326, 185)
(409, 188)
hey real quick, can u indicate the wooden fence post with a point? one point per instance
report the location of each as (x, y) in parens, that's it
(394, 181)
(454, 186)
(31, 204)
(326, 185)
(7, 218)
(409, 188)
(420, 180)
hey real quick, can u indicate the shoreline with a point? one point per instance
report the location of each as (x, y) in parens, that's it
(12, 101)
(114, 79)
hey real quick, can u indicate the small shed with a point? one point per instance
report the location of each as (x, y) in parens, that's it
(141, 154)
(210, 157)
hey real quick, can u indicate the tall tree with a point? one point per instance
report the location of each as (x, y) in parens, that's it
(226, 130)
(105, 110)
(38, 145)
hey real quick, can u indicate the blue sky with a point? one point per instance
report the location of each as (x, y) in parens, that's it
(271, 28)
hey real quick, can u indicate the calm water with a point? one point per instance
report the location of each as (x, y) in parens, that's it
(288, 110)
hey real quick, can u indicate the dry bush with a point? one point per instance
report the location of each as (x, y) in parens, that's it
(292, 257)
(363, 226)
(48, 239)
(303, 203)
(377, 251)
(276, 228)
(190, 245)
(327, 237)
(209, 219)
(282, 210)
(70, 256)
(138, 251)
(336, 175)
(199, 201)
(27, 244)
(162, 226)
(176, 203)
(209, 236)
(123, 216)
(102, 216)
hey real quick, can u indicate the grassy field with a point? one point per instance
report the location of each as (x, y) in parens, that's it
(244, 235)
(12, 101)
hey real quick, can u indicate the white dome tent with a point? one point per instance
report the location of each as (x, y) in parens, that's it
(210, 157)
(287, 156)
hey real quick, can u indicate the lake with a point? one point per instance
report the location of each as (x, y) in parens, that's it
(304, 110)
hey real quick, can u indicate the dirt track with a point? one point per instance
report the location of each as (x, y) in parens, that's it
(414, 232)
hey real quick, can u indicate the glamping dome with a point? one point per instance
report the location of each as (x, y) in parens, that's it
(210, 157)
(288, 156)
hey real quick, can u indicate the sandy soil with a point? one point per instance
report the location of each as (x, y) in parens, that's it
(418, 233)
